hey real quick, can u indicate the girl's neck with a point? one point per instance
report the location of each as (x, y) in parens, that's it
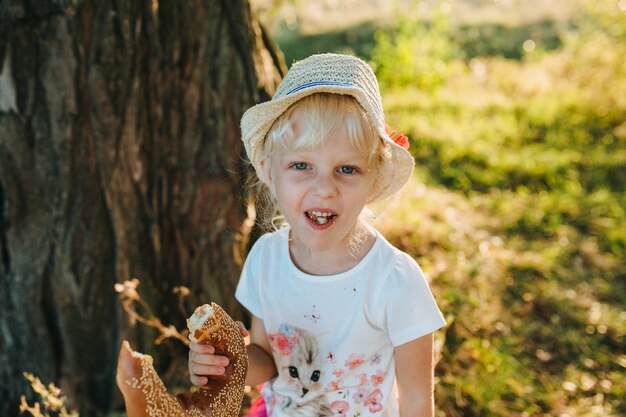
(333, 261)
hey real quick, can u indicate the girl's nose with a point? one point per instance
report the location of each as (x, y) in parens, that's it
(325, 186)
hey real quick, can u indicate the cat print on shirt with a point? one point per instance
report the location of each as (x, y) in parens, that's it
(300, 361)
(354, 381)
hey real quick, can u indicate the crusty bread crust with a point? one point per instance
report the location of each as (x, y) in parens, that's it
(146, 396)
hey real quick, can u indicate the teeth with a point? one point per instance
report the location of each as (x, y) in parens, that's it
(320, 217)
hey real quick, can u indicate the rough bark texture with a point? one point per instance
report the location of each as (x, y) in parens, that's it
(120, 157)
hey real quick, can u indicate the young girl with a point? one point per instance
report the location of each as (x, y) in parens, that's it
(342, 321)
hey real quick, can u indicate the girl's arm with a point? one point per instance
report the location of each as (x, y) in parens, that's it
(261, 366)
(415, 374)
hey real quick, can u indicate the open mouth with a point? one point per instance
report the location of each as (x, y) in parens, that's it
(320, 217)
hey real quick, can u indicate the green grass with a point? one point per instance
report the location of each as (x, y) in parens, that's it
(357, 40)
(501, 40)
(518, 215)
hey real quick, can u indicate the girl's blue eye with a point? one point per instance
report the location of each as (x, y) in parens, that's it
(347, 170)
(300, 165)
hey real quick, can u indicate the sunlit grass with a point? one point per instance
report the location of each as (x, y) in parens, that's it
(534, 323)
(518, 214)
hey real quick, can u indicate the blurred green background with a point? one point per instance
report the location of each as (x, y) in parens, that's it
(516, 112)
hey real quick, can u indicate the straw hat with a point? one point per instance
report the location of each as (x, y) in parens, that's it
(330, 73)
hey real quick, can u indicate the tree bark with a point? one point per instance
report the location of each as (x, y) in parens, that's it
(120, 157)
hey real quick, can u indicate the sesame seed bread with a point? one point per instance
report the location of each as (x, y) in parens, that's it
(145, 394)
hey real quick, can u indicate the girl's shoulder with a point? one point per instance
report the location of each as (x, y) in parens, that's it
(401, 301)
(397, 271)
(397, 260)
(269, 244)
(271, 238)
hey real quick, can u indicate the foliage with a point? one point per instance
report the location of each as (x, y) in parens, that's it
(356, 40)
(498, 39)
(52, 400)
(138, 310)
(518, 214)
(606, 17)
(417, 50)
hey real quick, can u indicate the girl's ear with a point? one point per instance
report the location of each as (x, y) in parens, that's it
(265, 172)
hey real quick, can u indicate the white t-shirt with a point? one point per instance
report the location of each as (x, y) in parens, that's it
(333, 337)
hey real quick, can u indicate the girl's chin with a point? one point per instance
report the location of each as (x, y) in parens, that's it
(321, 240)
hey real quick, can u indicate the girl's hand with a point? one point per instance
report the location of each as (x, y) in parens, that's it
(244, 331)
(203, 361)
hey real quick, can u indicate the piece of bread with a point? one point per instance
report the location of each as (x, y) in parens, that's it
(146, 396)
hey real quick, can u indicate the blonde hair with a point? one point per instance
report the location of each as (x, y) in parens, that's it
(328, 113)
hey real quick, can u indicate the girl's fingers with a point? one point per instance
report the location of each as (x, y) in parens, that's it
(211, 360)
(201, 348)
(244, 331)
(198, 380)
(203, 361)
(200, 370)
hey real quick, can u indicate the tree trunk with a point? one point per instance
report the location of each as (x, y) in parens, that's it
(120, 157)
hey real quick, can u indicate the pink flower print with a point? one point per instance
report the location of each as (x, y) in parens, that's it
(338, 372)
(377, 378)
(362, 379)
(339, 408)
(284, 340)
(283, 344)
(334, 386)
(374, 401)
(354, 361)
(359, 396)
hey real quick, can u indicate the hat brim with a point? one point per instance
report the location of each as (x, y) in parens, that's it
(258, 120)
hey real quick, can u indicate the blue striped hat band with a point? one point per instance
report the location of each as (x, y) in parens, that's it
(316, 83)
